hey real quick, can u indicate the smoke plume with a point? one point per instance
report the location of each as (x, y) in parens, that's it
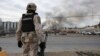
(74, 13)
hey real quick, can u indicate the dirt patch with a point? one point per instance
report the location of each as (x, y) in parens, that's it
(88, 53)
(66, 53)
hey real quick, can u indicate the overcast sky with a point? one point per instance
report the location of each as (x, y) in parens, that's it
(11, 10)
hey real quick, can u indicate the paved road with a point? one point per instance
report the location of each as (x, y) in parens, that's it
(73, 43)
(58, 43)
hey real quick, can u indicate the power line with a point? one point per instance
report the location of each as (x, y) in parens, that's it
(71, 16)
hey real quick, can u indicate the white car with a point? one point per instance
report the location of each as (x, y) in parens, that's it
(86, 33)
(97, 33)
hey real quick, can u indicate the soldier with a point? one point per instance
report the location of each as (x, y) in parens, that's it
(29, 32)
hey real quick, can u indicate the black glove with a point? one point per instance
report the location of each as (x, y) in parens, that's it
(42, 48)
(42, 45)
(20, 44)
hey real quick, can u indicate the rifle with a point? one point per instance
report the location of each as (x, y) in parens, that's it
(43, 45)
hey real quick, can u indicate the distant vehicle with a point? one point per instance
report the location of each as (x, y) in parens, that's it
(93, 33)
(97, 33)
(62, 33)
(86, 33)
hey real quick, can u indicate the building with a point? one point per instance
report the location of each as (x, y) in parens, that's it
(9, 27)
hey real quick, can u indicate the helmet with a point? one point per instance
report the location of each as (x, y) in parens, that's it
(31, 6)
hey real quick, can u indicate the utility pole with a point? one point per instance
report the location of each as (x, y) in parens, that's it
(92, 13)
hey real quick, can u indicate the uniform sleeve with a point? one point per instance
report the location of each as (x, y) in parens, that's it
(18, 31)
(38, 27)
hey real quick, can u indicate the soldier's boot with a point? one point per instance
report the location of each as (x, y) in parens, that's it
(41, 53)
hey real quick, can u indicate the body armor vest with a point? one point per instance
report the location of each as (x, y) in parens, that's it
(27, 22)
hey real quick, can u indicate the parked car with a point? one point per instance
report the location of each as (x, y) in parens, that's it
(93, 33)
(97, 33)
(86, 33)
(62, 33)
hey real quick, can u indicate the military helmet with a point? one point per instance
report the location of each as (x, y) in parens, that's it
(31, 6)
